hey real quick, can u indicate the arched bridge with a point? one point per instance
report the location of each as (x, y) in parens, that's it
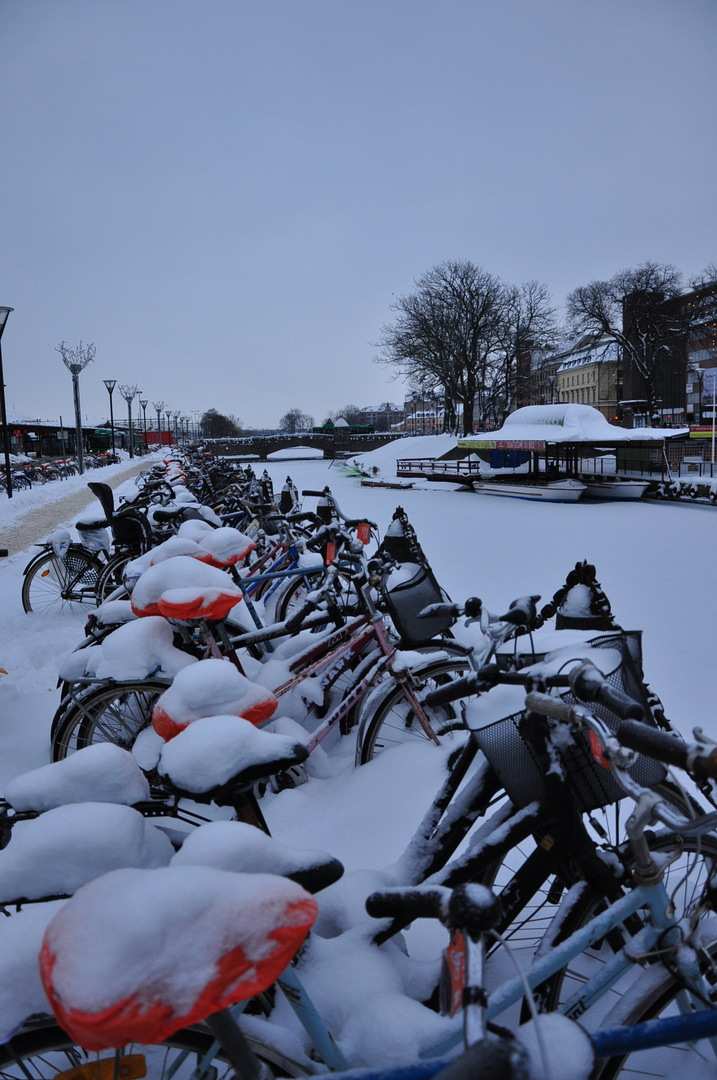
(338, 443)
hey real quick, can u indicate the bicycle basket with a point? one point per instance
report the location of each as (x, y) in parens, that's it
(521, 770)
(406, 590)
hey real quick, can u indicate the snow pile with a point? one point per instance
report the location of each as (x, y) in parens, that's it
(100, 773)
(135, 650)
(567, 423)
(66, 847)
(21, 990)
(380, 464)
(241, 848)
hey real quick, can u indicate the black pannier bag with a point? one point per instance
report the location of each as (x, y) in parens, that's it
(411, 585)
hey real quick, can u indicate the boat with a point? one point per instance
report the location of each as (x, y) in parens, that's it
(616, 489)
(554, 491)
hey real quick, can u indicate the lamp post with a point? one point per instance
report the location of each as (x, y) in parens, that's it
(552, 380)
(144, 402)
(4, 312)
(175, 414)
(158, 406)
(168, 414)
(110, 384)
(76, 360)
(129, 393)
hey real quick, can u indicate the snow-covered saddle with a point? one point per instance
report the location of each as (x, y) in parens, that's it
(183, 946)
(184, 589)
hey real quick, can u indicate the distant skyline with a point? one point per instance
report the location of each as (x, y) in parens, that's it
(226, 197)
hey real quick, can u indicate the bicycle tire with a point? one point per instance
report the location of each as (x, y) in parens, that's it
(55, 586)
(113, 712)
(391, 721)
(702, 849)
(111, 576)
(651, 999)
(44, 1050)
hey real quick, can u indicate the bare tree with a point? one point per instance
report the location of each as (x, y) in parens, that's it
(350, 413)
(447, 332)
(295, 420)
(640, 309)
(216, 425)
(529, 325)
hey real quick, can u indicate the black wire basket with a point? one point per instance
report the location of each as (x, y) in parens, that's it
(514, 757)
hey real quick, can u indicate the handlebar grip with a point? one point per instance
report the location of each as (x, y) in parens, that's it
(451, 610)
(522, 612)
(409, 904)
(452, 691)
(317, 494)
(547, 705)
(669, 749)
(589, 684)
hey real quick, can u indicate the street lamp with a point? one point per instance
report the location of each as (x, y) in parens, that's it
(76, 360)
(144, 403)
(129, 393)
(175, 414)
(159, 405)
(110, 384)
(4, 312)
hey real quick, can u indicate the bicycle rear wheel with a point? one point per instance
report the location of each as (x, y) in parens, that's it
(389, 720)
(114, 712)
(45, 1051)
(62, 586)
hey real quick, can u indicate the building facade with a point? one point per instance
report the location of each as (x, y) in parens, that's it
(589, 373)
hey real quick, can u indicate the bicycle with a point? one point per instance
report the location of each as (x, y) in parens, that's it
(687, 978)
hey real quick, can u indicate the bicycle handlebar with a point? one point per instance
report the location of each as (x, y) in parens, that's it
(589, 684)
(656, 744)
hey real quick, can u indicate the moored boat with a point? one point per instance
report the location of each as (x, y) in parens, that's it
(616, 489)
(554, 491)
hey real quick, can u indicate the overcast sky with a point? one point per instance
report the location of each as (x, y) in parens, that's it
(225, 196)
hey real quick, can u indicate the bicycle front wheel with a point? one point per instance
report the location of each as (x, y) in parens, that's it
(390, 720)
(651, 998)
(114, 712)
(55, 586)
(45, 1051)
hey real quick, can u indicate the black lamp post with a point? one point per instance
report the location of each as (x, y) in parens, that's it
(110, 384)
(4, 312)
(168, 414)
(76, 360)
(144, 403)
(159, 405)
(129, 393)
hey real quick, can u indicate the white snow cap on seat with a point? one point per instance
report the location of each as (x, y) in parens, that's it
(209, 752)
(71, 845)
(181, 572)
(134, 650)
(211, 688)
(100, 773)
(183, 945)
(242, 848)
(194, 529)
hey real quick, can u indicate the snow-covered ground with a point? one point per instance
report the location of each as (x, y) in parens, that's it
(655, 563)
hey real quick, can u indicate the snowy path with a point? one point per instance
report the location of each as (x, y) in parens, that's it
(31, 515)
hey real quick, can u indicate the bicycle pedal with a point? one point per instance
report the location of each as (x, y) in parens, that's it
(292, 777)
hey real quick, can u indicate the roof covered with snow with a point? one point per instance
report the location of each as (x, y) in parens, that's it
(538, 425)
